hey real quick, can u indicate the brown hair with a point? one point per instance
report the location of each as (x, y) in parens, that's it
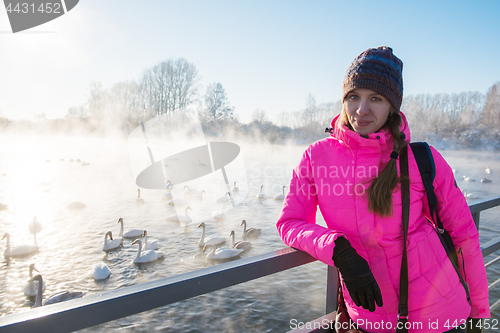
(380, 190)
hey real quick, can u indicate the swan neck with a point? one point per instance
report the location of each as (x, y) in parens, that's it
(232, 240)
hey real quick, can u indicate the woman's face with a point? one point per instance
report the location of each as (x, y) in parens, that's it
(366, 110)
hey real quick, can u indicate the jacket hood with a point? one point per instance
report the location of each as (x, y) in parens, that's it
(342, 133)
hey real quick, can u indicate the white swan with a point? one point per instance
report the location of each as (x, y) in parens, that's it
(20, 250)
(100, 271)
(260, 195)
(214, 240)
(190, 191)
(242, 245)
(488, 170)
(148, 245)
(112, 243)
(469, 179)
(134, 233)
(139, 200)
(221, 253)
(31, 287)
(183, 219)
(201, 194)
(225, 198)
(167, 196)
(145, 256)
(35, 226)
(485, 180)
(282, 195)
(470, 195)
(55, 298)
(252, 232)
(235, 188)
(219, 215)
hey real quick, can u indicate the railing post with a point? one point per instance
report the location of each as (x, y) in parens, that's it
(475, 216)
(331, 289)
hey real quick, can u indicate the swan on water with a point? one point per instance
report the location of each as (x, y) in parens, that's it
(282, 195)
(35, 226)
(260, 195)
(219, 215)
(149, 245)
(145, 256)
(225, 198)
(485, 180)
(242, 245)
(221, 253)
(235, 188)
(470, 195)
(3, 206)
(167, 196)
(469, 179)
(190, 191)
(100, 271)
(249, 232)
(183, 219)
(20, 250)
(31, 287)
(488, 170)
(55, 298)
(214, 240)
(139, 200)
(112, 243)
(134, 233)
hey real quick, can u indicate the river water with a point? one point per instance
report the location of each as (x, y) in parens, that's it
(38, 179)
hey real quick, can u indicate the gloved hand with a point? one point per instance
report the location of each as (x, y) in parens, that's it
(357, 275)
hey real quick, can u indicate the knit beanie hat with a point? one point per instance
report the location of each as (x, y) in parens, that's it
(379, 70)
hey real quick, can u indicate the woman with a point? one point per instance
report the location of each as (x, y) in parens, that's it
(353, 177)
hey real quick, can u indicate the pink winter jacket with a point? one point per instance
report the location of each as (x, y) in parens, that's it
(334, 174)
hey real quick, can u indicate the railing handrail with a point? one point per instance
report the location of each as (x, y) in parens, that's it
(104, 307)
(100, 308)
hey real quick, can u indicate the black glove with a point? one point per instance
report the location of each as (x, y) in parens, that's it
(357, 275)
(474, 325)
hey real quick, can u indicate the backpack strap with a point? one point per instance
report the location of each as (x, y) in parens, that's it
(427, 168)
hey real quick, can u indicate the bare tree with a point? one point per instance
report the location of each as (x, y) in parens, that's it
(77, 112)
(259, 116)
(97, 102)
(216, 104)
(169, 87)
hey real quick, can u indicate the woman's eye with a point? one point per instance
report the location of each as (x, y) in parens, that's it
(353, 97)
(376, 99)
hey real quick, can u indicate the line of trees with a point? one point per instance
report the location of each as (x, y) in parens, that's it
(171, 88)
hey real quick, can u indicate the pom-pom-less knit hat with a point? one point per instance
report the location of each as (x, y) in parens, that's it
(379, 70)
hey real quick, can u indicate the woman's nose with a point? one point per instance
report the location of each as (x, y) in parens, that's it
(363, 108)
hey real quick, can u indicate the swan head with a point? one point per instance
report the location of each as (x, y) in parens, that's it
(188, 207)
(120, 220)
(202, 224)
(228, 193)
(144, 233)
(243, 222)
(232, 233)
(33, 268)
(110, 235)
(137, 241)
(208, 246)
(6, 235)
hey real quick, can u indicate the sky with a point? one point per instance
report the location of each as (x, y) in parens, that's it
(268, 55)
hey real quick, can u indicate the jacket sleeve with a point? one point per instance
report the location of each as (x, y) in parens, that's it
(297, 222)
(457, 220)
